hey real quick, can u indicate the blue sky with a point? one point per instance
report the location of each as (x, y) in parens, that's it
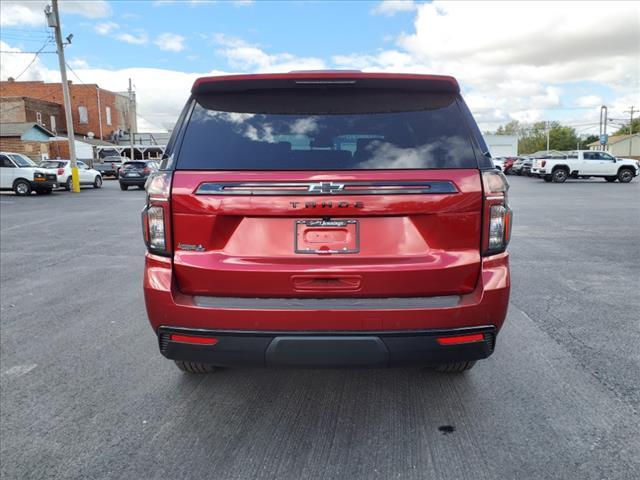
(514, 61)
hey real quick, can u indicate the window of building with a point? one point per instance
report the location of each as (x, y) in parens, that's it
(108, 110)
(83, 114)
(52, 119)
(39, 118)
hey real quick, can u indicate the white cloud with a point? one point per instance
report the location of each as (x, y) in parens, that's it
(589, 101)
(78, 63)
(170, 42)
(104, 28)
(31, 12)
(15, 63)
(391, 7)
(140, 39)
(511, 57)
(249, 57)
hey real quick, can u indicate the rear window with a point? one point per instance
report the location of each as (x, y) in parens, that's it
(324, 130)
(134, 165)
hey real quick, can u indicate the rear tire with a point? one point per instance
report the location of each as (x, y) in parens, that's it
(68, 184)
(124, 187)
(194, 367)
(610, 179)
(97, 182)
(22, 188)
(457, 367)
(560, 175)
(625, 175)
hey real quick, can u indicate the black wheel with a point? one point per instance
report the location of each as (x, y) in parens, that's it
(559, 175)
(124, 187)
(22, 187)
(68, 184)
(97, 182)
(610, 179)
(457, 367)
(547, 178)
(625, 175)
(195, 367)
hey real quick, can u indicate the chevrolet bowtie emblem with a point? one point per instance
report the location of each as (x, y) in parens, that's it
(326, 187)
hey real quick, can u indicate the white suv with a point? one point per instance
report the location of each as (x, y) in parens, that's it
(20, 174)
(585, 163)
(62, 168)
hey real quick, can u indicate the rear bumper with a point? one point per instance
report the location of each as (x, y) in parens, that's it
(324, 350)
(402, 325)
(132, 180)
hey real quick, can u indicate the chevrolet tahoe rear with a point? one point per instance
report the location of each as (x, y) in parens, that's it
(326, 219)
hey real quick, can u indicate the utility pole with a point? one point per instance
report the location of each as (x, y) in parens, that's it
(53, 20)
(630, 112)
(131, 118)
(547, 136)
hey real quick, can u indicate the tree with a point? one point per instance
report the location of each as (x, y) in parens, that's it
(533, 137)
(625, 130)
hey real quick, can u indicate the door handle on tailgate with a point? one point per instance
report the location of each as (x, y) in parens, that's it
(305, 283)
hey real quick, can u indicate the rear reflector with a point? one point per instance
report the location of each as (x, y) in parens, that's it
(475, 337)
(193, 339)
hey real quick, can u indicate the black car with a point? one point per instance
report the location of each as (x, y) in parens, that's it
(135, 173)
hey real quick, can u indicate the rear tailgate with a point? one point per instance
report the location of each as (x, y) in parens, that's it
(231, 242)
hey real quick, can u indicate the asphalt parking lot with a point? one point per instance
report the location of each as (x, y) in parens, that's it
(86, 394)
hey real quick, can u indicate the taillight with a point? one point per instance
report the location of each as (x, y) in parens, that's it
(543, 163)
(156, 216)
(61, 171)
(497, 214)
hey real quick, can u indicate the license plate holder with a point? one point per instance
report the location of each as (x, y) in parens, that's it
(326, 236)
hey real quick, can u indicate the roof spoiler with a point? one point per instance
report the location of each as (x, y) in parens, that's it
(404, 81)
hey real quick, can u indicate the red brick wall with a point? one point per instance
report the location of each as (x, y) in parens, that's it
(81, 95)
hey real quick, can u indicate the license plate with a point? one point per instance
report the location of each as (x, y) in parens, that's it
(132, 175)
(327, 236)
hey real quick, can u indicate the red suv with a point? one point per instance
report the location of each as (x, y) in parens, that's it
(326, 219)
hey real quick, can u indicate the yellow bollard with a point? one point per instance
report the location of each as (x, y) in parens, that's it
(75, 178)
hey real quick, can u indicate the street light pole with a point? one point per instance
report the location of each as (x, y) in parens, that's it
(53, 19)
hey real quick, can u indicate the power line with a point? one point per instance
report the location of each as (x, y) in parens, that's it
(33, 60)
(23, 52)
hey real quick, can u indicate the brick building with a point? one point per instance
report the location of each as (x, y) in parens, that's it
(27, 109)
(94, 109)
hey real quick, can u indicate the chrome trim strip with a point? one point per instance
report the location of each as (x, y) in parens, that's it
(240, 303)
(311, 188)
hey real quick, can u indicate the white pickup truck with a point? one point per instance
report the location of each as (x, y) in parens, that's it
(585, 163)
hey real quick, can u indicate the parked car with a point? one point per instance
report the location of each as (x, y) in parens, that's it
(135, 173)
(507, 164)
(585, 164)
(297, 221)
(109, 166)
(62, 169)
(525, 168)
(21, 174)
(516, 168)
